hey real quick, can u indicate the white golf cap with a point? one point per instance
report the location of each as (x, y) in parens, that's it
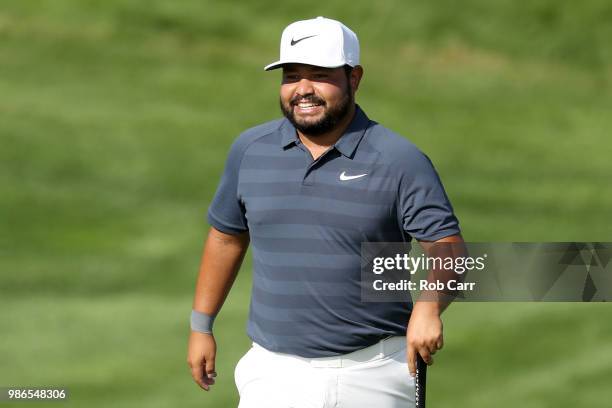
(321, 41)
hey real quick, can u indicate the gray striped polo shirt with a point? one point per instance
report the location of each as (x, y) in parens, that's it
(307, 219)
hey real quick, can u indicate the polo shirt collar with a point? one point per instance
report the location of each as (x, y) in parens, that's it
(289, 134)
(347, 143)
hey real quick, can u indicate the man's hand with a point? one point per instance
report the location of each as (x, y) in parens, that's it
(424, 333)
(201, 358)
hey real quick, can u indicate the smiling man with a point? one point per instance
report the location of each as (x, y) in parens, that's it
(306, 191)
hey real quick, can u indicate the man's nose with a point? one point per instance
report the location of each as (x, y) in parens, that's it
(304, 87)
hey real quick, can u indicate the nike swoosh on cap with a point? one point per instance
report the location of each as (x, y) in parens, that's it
(293, 42)
(344, 177)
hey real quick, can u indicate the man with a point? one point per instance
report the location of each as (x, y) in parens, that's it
(306, 191)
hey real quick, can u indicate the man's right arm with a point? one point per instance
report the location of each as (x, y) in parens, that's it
(221, 260)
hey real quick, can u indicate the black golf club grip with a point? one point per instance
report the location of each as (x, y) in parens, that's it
(420, 382)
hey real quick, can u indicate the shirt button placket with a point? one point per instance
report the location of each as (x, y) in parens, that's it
(309, 177)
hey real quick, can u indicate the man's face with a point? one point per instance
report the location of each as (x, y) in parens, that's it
(315, 99)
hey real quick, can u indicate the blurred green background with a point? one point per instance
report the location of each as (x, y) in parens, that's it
(115, 119)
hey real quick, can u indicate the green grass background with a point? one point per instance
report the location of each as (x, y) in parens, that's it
(115, 119)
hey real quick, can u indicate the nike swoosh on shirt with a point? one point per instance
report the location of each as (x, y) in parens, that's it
(293, 42)
(344, 177)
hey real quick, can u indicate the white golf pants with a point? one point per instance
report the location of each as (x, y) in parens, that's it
(376, 376)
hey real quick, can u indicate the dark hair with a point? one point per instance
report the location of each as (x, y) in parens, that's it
(347, 70)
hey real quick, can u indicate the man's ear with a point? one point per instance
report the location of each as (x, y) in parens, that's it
(355, 78)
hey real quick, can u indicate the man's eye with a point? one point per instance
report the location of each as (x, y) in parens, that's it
(291, 77)
(320, 76)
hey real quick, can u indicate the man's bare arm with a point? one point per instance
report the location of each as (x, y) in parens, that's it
(425, 332)
(221, 260)
(448, 247)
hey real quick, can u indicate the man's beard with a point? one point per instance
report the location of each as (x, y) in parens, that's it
(331, 116)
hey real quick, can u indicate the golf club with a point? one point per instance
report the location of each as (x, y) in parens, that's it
(420, 382)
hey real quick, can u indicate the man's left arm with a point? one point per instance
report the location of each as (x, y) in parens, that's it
(425, 331)
(426, 214)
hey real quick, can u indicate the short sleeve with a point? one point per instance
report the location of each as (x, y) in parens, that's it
(226, 212)
(424, 209)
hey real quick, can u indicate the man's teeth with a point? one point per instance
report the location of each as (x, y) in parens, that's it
(307, 105)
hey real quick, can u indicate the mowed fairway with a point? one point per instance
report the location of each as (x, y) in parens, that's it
(115, 119)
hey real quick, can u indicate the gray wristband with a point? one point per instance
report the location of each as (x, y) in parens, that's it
(201, 322)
